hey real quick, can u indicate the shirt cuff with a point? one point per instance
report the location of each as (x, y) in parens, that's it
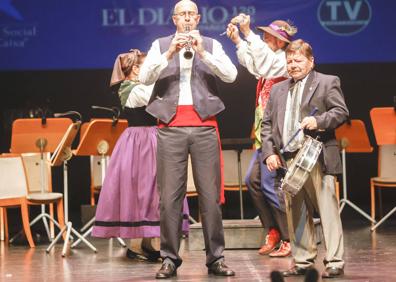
(242, 44)
(252, 37)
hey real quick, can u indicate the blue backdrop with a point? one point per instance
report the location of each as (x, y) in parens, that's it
(75, 34)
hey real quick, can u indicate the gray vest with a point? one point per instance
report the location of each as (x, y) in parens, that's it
(165, 96)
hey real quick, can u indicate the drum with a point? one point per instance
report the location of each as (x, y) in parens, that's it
(298, 172)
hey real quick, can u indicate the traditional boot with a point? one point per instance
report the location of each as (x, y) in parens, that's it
(283, 251)
(271, 241)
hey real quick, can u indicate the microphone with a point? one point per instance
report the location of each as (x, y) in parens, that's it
(68, 113)
(114, 110)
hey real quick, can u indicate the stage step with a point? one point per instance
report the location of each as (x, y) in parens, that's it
(238, 234)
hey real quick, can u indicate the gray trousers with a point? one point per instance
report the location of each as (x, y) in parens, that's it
(174, 146)
(318, 194)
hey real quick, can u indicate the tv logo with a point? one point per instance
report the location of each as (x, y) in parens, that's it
(344, 17)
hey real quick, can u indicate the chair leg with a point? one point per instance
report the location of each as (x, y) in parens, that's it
(52, 225)
(6, 234)
(337, 188)
(372, 191)
(61, 216)
(2, 224)
(92, 195)
(26, 225)
(6, 230)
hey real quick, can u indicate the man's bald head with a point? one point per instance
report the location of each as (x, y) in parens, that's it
(181, 5)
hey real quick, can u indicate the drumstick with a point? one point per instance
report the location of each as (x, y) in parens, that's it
(313, 112)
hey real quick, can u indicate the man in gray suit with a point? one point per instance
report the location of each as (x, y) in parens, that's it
(291, 102)
(184, 67)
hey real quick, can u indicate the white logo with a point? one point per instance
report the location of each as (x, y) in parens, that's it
(344, 17)
(214, 18)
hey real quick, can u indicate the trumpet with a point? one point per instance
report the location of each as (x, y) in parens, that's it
(188, 54)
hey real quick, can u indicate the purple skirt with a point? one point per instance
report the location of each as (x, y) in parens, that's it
(128, 204)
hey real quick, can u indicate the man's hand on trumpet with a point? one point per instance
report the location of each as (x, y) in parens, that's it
(178, 42)
(197, 42)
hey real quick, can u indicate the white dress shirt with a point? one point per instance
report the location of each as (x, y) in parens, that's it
(218, 62)
(139, 96)
(288, 112)
(259, 59)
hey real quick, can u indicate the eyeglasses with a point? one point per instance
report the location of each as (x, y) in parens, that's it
(185, 13)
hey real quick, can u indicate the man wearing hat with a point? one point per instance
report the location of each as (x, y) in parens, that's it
(265, 59)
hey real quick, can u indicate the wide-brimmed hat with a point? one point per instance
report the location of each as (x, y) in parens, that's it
(280, 29)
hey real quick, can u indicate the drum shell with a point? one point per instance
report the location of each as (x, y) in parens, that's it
(301, 166)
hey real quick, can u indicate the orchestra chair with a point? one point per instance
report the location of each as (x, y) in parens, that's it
(39, 193)
(384, 125)
(352, 138)
(14, 191)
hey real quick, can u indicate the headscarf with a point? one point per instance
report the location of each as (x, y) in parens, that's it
(123, 65)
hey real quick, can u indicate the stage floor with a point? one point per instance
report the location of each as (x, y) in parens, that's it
(369, 257)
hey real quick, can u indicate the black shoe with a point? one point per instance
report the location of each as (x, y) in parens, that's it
(294, 271)
(166, 271)
(152, 255)
(133, 255)
(332, 272)
(219, 268)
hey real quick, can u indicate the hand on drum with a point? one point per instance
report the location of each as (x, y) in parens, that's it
(273, 162)
(309, 123)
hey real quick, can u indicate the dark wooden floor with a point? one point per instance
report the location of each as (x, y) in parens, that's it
(369, 257)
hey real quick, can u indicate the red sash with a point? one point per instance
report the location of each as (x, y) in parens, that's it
(187, 116)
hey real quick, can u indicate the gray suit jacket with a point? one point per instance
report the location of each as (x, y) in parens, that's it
(321, 91)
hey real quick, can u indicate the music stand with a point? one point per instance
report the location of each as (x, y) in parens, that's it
(61, 155)
(353, 138)
(238, 144)
(384, 122)
(32, 135)
(99, 138)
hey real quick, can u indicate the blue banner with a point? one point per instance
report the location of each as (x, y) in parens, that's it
(75, 34)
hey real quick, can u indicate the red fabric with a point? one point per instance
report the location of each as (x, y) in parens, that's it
(187, 116)
(263, 89)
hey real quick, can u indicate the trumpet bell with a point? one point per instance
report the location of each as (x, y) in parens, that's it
(188, 55)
